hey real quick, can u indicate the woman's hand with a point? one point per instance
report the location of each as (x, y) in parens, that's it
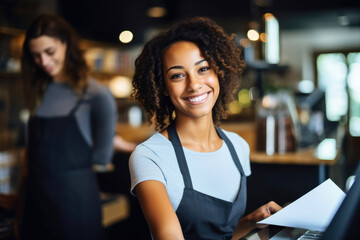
(263, 212)
(120, 144)
(249, 222)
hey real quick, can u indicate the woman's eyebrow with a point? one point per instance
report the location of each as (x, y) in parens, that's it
(45, 50)
(175, 67)
(198, 62)
(181, 67)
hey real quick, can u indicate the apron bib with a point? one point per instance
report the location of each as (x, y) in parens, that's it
(62, 197)
(202, 216)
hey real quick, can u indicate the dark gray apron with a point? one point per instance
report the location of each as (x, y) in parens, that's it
(62, 198)
(202, 216)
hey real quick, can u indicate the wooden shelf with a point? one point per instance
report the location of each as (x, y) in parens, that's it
(115, 209)
(106, 75)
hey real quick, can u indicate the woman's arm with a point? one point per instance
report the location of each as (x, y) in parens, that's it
(248, 223)
(103, 121)
(158, 211)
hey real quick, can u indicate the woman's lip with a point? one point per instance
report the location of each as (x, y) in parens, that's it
(197, 99)
(48, 69)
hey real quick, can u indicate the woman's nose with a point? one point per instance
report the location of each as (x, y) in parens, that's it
(44, 60)
(193, 83)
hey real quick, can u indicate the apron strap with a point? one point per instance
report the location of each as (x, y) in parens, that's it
(231, 149)
(80, 100)
(175, 141)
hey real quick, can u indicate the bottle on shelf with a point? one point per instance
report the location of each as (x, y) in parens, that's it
(276, 124)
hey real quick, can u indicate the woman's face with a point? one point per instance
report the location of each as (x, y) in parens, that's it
(49, 54)
(191, 84)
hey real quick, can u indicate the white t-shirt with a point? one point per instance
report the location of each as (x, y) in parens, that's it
(212, 173)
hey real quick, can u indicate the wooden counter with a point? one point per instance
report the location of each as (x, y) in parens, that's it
(247, 130)
(114, 209)
(135, 134)
(300, 157)
(144, 131)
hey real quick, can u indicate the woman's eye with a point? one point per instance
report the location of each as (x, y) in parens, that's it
(176, 76)
(50, 53)
(204, 69)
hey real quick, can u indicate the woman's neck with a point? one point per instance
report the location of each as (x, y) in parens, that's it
(60, 78)
(198, 134)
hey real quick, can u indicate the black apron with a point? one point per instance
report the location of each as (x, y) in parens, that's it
(62, 198)
(202, 216)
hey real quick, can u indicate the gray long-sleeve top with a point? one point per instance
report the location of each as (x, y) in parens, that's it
(96, 116)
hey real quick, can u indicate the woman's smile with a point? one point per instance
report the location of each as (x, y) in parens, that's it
(198, 99)
(48, 69)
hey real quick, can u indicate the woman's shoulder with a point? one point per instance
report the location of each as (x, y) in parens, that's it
(157, 146)
(96, 89)
(157, 142)
(98, 93)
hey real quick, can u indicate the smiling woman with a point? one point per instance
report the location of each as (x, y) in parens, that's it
(190, 177)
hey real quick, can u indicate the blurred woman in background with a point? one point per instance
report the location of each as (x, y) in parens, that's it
(72, 127)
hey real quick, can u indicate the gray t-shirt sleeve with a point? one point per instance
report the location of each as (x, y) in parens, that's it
(143, 167)
(103, 114)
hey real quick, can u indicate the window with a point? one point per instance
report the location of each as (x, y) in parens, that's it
(353, 82)
(338, 76)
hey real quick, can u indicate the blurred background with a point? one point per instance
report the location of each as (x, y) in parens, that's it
(298, 106)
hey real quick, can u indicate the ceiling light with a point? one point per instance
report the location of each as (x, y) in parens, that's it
(253, 35)
(156, 12)
(126, 36)
(120, 86)
(263, 37)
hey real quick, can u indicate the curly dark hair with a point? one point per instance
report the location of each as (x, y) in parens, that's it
(215, 45)
(34, 78)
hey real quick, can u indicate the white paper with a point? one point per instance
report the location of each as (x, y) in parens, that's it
(312, 211)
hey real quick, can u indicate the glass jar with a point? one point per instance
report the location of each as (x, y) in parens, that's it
(276, 123)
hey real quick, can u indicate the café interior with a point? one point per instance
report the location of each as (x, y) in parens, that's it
(302, 73)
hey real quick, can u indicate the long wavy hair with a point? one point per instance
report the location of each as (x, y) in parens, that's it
(215, 45)
(34, 78)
